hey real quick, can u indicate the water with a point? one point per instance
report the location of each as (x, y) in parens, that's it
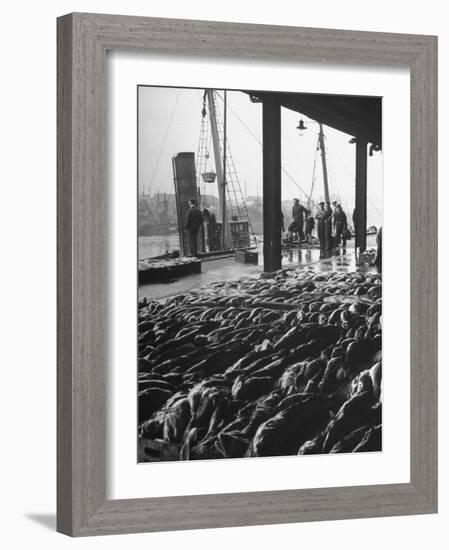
(150, 246)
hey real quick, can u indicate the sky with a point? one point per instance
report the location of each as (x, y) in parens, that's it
(170, 122)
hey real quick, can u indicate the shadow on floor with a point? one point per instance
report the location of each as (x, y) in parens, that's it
(46, 520)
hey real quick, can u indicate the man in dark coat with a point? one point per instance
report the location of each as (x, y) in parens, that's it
(297, 225)
(328, 227)
(320, 225)
(354, 220)
(194, 220)
(210, 229)
(310, 224)
(378, 260)
(340, 225)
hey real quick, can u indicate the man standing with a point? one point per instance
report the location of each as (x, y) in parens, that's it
(328, 227)
(340, 225)
(320, 225)
(378, 260)
(354, 220)
(194, 220)
(310, 224)
(297, 225)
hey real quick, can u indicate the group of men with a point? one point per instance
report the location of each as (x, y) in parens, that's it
(332, 226)
(195, 219)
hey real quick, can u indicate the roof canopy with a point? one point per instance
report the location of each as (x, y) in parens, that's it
(358, 116)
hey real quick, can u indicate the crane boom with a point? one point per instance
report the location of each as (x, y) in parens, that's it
(219, 165)
(323, 160)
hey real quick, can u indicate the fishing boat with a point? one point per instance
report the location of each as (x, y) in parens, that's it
(227, 224)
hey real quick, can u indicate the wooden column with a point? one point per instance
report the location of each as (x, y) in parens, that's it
(272, 235)
(360, 193)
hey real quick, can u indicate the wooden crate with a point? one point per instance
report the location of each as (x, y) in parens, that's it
(247, 257)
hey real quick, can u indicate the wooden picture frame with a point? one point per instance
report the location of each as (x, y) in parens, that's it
(83, 40)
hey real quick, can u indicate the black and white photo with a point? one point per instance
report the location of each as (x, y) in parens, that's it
(259, 273)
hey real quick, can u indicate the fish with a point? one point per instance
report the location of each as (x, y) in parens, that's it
(312, 446)
(329, 380)
(234, 355)
(348, 443)
(314, 367)
(189, 441)
(351, 415)
(152, 428)
(376, 377)
(252, 388)
(309, 349)
(232, 445)
(247, 359)
(375, 291)
(287, 431)
(176, 420)
(262, 411)
(145, 384)
(371, 442)
(335, 316)
(274, 369)
(362, 383)
(150, 400)
(254, 361)
(288, 380)
(357, 352)
(289, 339)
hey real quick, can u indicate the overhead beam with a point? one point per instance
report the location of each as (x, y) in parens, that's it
(271, 132)
(361, 159)
(356, 116)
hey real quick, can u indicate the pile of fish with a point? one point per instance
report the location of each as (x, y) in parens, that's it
(284, 365)
(166, 263)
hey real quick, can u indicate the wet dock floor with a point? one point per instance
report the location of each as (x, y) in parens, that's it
(228, 268)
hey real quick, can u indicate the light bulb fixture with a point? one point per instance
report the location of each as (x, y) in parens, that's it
(301, 127)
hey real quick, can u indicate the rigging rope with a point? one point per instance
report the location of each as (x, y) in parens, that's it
(164, 140)
(309, 200)
(233, 183)
(261, 144)
(369, 200)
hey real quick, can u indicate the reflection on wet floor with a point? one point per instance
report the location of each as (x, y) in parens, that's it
(313, 259)
(342, 260)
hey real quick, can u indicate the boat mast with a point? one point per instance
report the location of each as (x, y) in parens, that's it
(224, 161)
(219, 165)
(323, 160)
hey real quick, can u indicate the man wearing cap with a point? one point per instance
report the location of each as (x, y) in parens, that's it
(320, 224)
(340, 225)
(310, 224)
(328, 216)
(378, 261)
(194, 220)
(297, 225)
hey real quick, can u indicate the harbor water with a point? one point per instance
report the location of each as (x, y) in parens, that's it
(155, 245)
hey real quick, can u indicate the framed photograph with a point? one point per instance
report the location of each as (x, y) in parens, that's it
(238, 344)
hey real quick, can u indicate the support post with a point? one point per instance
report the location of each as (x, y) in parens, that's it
(360, 193)
(271, 121)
